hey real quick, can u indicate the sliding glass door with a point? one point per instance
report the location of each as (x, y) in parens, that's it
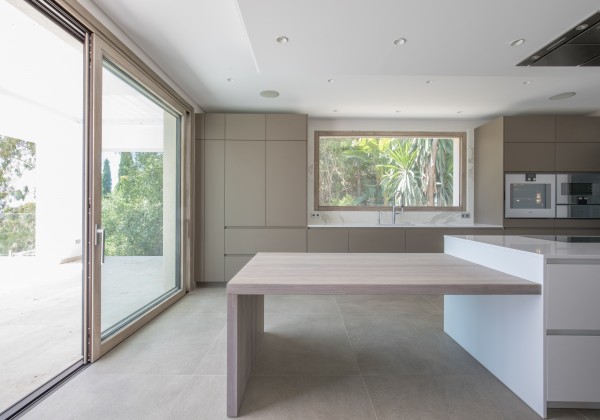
(42, 177)
(137, 196)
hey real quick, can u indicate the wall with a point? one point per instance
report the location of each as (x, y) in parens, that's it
(366, 124)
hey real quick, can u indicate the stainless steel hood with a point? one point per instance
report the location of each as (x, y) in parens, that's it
(579, 46)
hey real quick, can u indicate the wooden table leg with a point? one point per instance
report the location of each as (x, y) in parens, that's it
(245, 328)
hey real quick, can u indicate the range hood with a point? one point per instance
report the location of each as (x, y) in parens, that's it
(579, 46)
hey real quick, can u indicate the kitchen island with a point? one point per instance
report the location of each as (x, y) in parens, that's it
(344, 274)
(545, 348)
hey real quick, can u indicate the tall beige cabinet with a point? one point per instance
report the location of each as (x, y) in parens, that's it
(254, 189)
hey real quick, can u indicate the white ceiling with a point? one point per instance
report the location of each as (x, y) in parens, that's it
(462, 45)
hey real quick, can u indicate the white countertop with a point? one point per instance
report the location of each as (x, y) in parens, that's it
(406, 225)
(548, 248)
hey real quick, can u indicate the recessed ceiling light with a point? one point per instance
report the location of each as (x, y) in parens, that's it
(269, 94)
(398, 111)
(400, 41)
(330, 80)
(527, 82)
(230, 79)
(560, 96)
(430, 82)
(517, 42)
(335, 110)
(581, 27)
(282, 39)
(459, 112)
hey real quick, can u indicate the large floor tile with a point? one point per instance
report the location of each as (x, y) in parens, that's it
(174, 343)
(301, 304)
(591, 414)
(460, 397)
(306, 397)
(305, 345)
(406, 344)
(214, 361)
(115, 397)
(384, 304)
(205, 398)
(207, 299)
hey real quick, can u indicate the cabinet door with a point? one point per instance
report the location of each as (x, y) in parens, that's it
(577, 157)
(428, 239)
(251, 241)
(376, 240)
(572, 297)
(286, 183)
(244, 183)
(529, 129)
(245, 126)
(286, 127)
(573, 368)
(529, 157)
(577, 129)
(214, 217)
(234, 263)
(327, 240)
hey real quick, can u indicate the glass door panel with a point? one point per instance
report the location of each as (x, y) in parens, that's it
(41, 202)
(139, 230)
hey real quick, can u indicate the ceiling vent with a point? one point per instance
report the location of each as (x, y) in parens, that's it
(579, 46)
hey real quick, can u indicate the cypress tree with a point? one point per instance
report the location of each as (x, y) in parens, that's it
(106, 179)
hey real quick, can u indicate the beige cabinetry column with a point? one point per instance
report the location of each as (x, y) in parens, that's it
(244, 183)
(214, 198)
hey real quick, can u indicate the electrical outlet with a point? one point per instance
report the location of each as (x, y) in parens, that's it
(465, 215)
(315, 215)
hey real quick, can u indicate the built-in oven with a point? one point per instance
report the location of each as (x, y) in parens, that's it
(578, 196)
(529, 195)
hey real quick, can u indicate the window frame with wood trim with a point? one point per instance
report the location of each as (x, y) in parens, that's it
(459, 146)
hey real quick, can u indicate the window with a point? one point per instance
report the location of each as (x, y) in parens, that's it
(371, 171)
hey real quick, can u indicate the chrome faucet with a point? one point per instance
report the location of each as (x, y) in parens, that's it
(394, 211)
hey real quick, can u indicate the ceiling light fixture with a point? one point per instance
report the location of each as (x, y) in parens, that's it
(400, 41)
(269, 94)
(527, 82)
(330, 80)
(560, 96)
(230, 79)
(282, 39)
(581, 27)
(429, 82)
(517, 42)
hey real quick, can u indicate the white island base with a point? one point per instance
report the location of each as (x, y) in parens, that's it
(545, 348)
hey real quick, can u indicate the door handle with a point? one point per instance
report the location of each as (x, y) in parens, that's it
(99, 239)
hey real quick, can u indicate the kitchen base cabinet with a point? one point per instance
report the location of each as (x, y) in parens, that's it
(376, 240)
(572, 297)
(327, 240)
(234, 263)
(573, 369)
(428, 239)
(248, 241)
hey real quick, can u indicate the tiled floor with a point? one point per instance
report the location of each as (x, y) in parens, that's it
(323, 357)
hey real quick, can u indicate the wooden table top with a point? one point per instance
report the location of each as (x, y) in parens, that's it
(364, 274)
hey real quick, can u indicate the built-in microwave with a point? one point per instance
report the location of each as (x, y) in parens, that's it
(529, 195)
(578, 196)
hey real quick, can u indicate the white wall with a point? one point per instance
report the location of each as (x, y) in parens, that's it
(106, 21)
(371, 124)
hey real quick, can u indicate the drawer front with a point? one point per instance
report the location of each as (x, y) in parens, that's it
(573, 369)
(573, 294)
(251, 241)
